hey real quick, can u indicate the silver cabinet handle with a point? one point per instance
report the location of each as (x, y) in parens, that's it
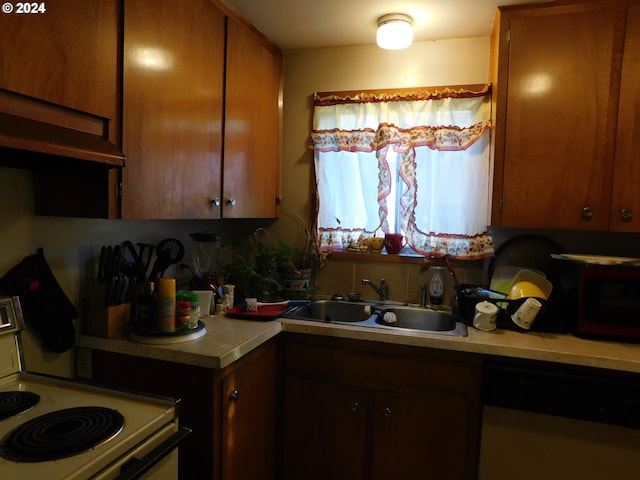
(387, 412)
(234, 395)
(355, 406)
(231, 202)
(626, 214)
(215, 202)
(587, 213)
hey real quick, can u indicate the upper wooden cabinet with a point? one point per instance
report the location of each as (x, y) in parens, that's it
(201, 135)
(173, 109)
(253, 118)
(60, 82)
(565, 93)
(625, 201)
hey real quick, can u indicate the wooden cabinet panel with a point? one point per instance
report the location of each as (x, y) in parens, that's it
(173, 97)
(324, 431)
(625, 204)
(69, 56)
(249, 405)
(252, 133)
(560, 113)
(357, 410)
(419, 436)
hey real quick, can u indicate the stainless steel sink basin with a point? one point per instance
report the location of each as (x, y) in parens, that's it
(372, 315)
(418, 319)
(334, 311)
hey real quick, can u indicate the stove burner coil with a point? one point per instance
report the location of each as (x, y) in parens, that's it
(61, 434)
(15, 402)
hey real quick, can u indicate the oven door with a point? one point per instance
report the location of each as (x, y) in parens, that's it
(155, 458)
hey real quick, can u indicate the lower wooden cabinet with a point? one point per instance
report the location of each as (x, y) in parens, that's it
(232, 412)
(360, 410)
(310, 407)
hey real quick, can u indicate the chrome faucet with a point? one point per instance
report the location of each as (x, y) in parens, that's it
(382, 291)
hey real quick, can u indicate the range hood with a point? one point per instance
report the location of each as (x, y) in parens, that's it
(37, 127)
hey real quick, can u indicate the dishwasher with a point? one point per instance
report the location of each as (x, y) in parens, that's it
(554, 421)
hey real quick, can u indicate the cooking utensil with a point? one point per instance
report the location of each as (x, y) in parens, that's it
(168, 252)
(102, 264)
(145, 253)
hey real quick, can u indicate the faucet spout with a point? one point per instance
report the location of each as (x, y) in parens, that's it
(382, 291)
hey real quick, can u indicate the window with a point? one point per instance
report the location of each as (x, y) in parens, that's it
(415, 163)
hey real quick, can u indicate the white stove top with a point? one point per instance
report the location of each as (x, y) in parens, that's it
(142, 418)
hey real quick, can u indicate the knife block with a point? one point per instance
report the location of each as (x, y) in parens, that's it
(107, 321)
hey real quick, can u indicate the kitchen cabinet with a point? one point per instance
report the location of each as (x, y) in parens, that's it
(232, 411)
(362, 410)
(253, 125)
(565, 94)
(60, 95)
(60, 65)
(201, 114)
(173, 108)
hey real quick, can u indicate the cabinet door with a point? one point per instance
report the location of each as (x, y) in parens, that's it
(173, 96)
(625, 204)
(324, 430)
(556, 162)
(67, 55)
(249, 406)
(252, 133)
(419, 436)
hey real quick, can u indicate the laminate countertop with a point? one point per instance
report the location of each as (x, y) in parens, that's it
(227, 339)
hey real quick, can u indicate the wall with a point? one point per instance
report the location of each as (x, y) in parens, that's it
(447, 62)
(71, 247)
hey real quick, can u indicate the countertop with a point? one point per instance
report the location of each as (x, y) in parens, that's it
(228, 339)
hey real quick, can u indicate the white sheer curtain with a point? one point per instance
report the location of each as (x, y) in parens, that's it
(440, 145)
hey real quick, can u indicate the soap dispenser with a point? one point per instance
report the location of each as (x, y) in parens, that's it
(436, 287)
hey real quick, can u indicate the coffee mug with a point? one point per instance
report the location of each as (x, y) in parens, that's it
(526, 314)
(485, 317)
(394, 242)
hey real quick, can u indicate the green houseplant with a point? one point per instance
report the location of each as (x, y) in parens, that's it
(273, 270)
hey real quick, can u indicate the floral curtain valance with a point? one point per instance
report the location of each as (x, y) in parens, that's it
(402, 139)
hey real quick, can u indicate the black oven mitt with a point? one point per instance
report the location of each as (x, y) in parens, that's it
(47, 311)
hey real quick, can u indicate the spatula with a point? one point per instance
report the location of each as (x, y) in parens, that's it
(168, 252)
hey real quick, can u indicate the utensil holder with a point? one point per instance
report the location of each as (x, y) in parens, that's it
(107, 321)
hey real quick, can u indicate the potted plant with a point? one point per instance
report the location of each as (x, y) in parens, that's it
(274, 270)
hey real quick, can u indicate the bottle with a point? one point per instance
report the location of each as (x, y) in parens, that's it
(166, 304)
(183, 311)
(436, 287)
(194, 303)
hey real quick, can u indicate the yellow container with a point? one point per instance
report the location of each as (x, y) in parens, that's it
(167, 304)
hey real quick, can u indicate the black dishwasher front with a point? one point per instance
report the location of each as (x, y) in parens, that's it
(587, 394)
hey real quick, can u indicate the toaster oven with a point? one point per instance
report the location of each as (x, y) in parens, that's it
(599, 296)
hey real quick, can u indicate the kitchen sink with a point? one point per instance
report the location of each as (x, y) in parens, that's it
(373, 315)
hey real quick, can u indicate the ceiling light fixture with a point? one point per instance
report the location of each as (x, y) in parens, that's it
(395, 31)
